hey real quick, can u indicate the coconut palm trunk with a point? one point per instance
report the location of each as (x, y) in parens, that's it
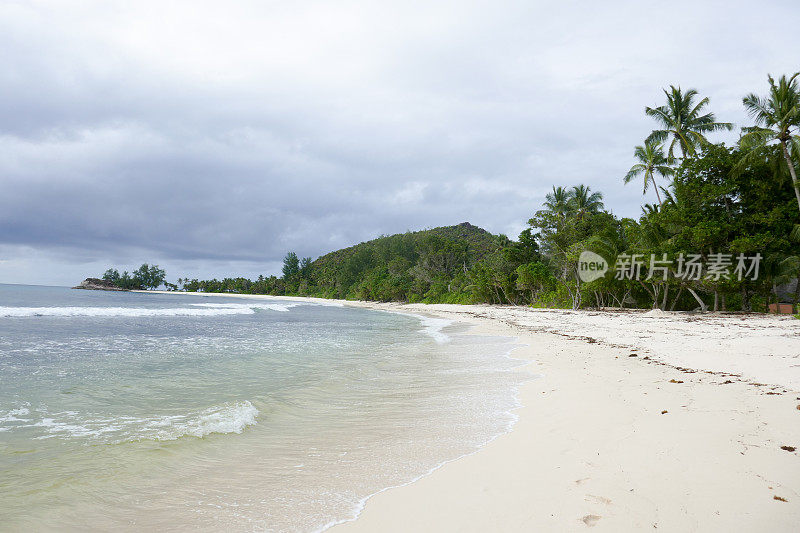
(660, 203)
(792, 171)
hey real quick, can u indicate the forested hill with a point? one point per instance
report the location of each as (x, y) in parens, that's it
(476, 243)
(408, 266)
(456, 264)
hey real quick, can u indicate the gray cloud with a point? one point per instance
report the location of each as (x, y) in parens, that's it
(214, 140)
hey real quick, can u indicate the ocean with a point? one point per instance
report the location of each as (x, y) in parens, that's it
(131, 411)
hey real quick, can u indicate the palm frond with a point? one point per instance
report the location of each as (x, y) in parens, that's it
(795, 233)
(657, 136)
(633, 173)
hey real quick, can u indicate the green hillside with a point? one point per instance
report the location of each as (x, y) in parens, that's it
(451, 264)
(408, 266)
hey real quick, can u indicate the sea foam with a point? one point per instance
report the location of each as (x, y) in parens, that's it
(434, 327)
(195, 310)
(232, 417)
(227, 418)
(12, 415)
(282, 307)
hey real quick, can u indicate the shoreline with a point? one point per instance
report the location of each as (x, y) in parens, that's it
(667, 421)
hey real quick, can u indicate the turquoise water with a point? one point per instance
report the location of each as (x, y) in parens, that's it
(186, 412)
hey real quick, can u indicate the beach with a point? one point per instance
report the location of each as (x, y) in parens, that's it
(637, 420)
(640, 420)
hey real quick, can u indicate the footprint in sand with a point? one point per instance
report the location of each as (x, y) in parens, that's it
(598, 499)
(591, 519)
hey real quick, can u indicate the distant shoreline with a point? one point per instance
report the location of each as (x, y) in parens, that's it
(640, 421)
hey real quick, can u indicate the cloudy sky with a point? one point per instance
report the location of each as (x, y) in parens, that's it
(213, 137)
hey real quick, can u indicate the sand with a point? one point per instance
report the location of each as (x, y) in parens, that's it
(639, 421)
(619, 443)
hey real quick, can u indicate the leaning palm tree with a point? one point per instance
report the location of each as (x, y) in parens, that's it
(652, 161)
(557, 202)
(684, 121)
(777, 118)
(582, 200)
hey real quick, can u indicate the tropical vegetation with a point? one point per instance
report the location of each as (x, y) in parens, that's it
(144, 277)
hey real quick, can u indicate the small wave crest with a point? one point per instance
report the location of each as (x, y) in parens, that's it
(195, 310)
(13, 415)
(228, 418)
(282, 307)
(232, 417)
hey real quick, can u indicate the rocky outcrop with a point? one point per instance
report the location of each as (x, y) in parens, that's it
(96, 284)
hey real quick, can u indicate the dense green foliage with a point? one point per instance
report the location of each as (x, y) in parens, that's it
(144, 277)
(717, 207)
(430, 265)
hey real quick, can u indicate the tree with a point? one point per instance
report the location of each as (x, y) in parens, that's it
(112, 275)
(149, 277)
(652, 161)
(683, 120)
(557, 202)
(125, 281)
(583, 201)
(777, 118)
(533, 278)
(525, 250)
(291, 265)
(144, 277)
(305, 267)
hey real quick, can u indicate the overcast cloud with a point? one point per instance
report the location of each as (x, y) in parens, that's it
(211, 138)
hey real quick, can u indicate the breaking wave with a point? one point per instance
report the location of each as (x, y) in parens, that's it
(231, 417)
(194, 310)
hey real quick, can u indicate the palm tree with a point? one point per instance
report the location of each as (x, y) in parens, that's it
(649, 209)
(683, 120)
(652, 161)
(557, 202)
(777, 118)
(583, 201)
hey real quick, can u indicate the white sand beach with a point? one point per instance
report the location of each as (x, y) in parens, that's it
(638, 421)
